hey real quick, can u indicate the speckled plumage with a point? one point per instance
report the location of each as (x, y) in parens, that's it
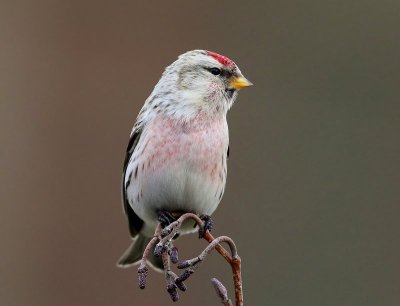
(177, 156)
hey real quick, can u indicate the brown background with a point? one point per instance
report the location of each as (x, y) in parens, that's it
(313, 184)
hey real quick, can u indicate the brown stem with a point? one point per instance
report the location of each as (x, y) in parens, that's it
(237, 280)
(235, 263)
(163, 239)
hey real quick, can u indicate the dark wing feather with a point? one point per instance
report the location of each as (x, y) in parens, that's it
(135, 223)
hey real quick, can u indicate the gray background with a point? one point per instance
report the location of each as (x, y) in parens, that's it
(313, 184)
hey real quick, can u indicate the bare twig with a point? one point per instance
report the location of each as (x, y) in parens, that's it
(235, 266)
(170, 277)
(163, 246)
(196, 261)
(143, 268)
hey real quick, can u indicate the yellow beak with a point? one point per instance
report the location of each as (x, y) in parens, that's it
(240, 82)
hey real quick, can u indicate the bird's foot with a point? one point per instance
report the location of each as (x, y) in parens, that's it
(165, 218)
(208, 225)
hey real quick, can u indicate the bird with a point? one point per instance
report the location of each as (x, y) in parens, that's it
(176, 159)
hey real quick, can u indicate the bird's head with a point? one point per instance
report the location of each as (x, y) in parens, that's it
(201, 80)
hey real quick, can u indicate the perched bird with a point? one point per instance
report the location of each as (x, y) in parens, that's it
(176, 159)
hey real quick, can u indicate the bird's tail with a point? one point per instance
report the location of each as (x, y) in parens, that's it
(134, 254)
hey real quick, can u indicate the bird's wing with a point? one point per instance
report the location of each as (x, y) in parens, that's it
(135, 223)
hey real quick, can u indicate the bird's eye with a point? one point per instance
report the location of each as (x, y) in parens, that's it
(215, 71)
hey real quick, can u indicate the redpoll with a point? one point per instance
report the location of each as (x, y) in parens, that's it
(176, 159)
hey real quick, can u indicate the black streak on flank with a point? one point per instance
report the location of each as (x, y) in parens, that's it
(135, 223)
(133, 141)
(220, 195)
(221, 176)
(128, 182)
(153, 99)
(136, 171)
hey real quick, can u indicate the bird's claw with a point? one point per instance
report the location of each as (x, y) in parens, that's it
(208, 225)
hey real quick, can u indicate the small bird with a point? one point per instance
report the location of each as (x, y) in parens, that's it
(176, 160)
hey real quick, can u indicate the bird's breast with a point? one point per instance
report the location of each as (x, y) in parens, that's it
(183, 165)
(195, 146)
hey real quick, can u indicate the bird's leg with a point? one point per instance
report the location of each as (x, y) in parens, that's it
(208, 225)
(165, 218)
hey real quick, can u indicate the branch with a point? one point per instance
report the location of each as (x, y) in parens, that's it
(162, 245)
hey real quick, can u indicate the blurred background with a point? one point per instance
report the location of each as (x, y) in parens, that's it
(313, 191)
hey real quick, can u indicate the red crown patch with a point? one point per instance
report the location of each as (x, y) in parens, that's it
(220, 58)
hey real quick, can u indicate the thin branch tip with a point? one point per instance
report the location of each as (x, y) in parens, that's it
(162, 246)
